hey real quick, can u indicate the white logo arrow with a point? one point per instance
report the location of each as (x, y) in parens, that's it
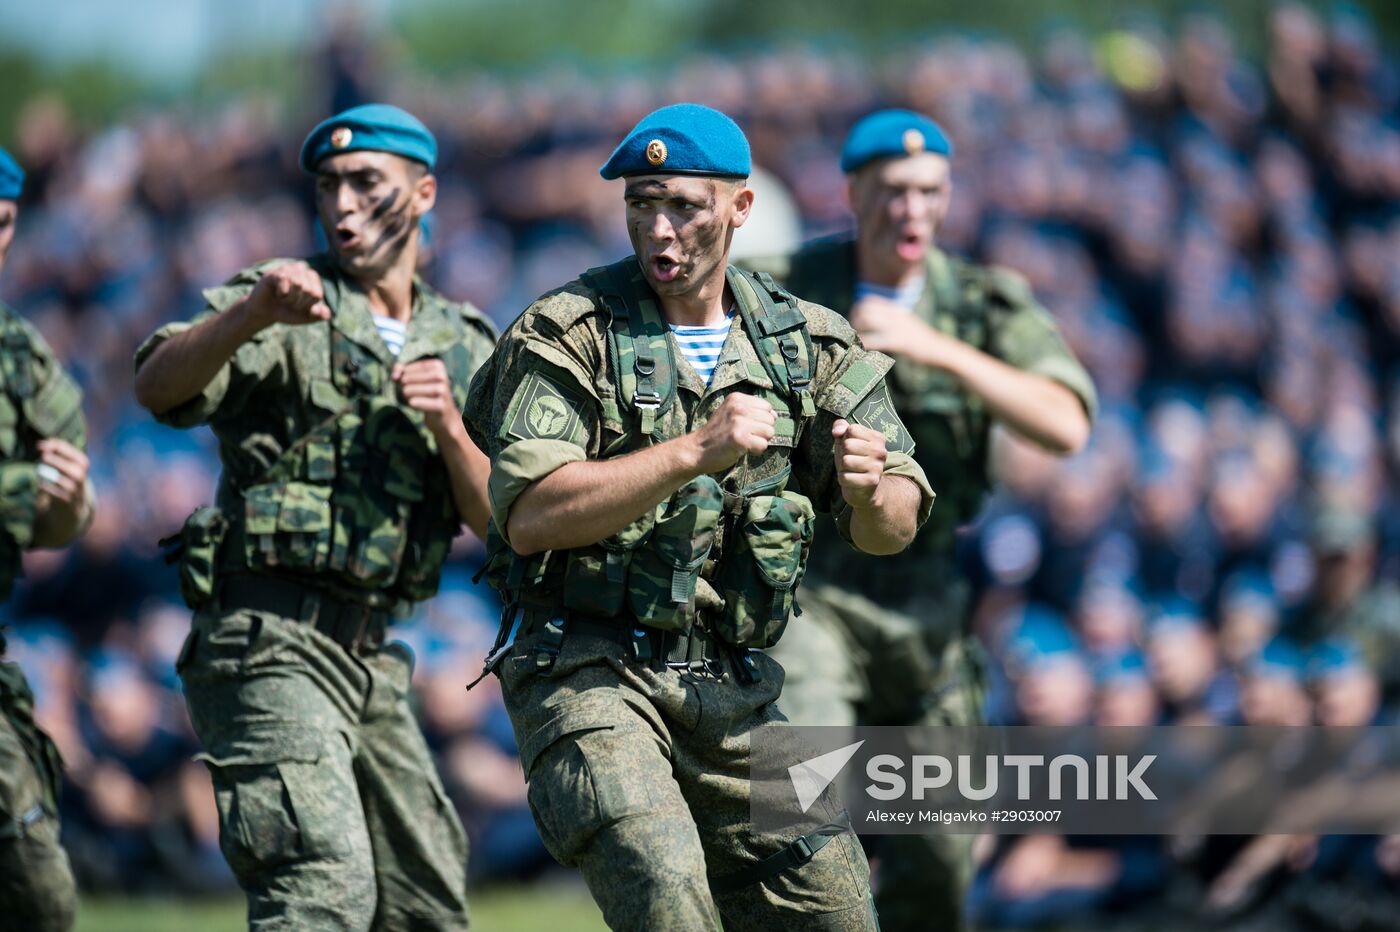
(811, 777)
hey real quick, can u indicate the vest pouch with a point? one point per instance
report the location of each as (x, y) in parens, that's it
(661, 582)
(595, 578)
(198, 554)
(380, 483)
(287, 526)
(762, 565)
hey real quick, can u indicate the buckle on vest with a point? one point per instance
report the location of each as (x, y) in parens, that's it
(642, 399)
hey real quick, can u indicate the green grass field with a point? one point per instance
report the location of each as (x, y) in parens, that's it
(503, 909)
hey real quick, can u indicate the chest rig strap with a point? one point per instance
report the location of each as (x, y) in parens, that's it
(777, 320)
(638, 335)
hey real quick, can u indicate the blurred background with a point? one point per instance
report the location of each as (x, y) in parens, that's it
(1208, 202)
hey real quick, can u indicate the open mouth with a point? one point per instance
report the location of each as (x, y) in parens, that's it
(910, 247)
(664, 268)
(346, 239)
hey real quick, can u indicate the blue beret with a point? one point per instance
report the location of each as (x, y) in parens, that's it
(1336, 658)
(372, 127)
(1175, 615)
(887, 133)
(11, 177)
(1040, 637)
(682, 139)
(1278, 658)
(1124, 668)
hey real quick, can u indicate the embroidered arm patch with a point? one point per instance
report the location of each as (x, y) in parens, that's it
(544, 410)
(876, 411)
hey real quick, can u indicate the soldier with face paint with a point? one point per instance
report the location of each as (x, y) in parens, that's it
(335, 386)
(886, 642)
(662, 431)
(45, 501)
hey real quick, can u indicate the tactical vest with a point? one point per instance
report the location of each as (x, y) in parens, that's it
(34, 404)
(361, 504)
(727, 551)
(951, 427)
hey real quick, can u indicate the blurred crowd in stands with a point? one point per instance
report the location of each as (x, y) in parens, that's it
(1217, 235)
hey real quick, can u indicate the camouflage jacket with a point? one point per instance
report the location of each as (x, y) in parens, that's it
(551, 396)
(38, 400)
(328, 476)
(990, 308)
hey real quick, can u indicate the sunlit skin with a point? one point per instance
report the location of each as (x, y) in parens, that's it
(369, 204)
(681, 227)
(9, 216)
(900, 203)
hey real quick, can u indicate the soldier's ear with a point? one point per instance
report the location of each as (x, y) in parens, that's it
(425, 192)
(743, 203)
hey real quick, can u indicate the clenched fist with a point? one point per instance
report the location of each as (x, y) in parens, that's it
(426, 386)
(741, 425)
(859, 453)
(289, 294)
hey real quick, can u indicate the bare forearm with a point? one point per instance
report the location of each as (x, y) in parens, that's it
(888, 523)
(467, 471)
(582, 503)
(182, 366)
(1031, 405)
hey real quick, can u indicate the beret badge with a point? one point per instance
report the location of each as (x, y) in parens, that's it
(656, 152)
(341, 136)
(913, 141)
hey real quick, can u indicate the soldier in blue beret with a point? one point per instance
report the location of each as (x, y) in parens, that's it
(335, 385)
(973, 348)
(48, 502)
(630, 415)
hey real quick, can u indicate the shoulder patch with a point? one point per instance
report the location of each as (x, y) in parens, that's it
(877, 412)
(543, 409)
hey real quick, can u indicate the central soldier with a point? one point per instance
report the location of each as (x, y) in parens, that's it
(661, 432)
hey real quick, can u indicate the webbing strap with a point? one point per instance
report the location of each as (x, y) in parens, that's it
(799, 852)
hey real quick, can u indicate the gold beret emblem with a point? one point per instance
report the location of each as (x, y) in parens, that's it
(656, 152)
(913, 141)
(341, 136)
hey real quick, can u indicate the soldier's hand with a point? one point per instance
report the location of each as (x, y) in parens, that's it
(426, 386)
(741, 425)
(859, 453)
(63, 471)
(889, 328)
(289, 294)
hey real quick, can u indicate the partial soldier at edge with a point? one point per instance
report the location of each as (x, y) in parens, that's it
(45, 501)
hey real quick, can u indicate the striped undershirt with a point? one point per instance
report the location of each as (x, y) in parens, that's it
(701, 345)
(392, 331)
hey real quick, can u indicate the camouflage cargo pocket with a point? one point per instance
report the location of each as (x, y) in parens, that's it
(762, 567)
(287, 526)
(595, 578)
(278, 802)
(661, 582)
(582, 778)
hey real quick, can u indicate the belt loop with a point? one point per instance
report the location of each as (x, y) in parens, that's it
(551, 641)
